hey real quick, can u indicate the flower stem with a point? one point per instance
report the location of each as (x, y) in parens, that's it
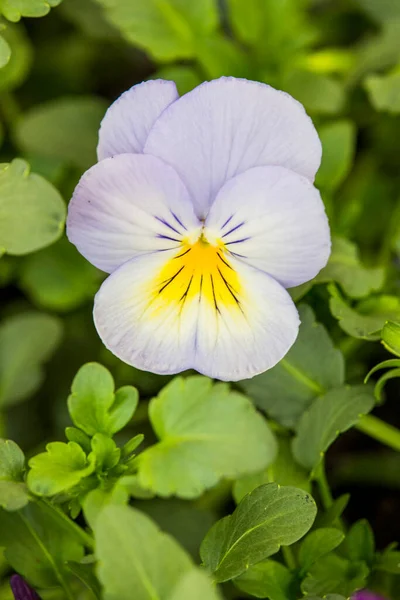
(288, 555)
(323, 486)
(380, 431)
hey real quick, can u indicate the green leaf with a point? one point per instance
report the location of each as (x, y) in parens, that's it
(266, 519)
(320, 94)
(267, 579)
(64, 129)
(316, 544)
(98, 499)
(206, 432)
(105, 451)
(219, 56)
(334, 512)
(27, 341)
(391, 337)
(5, 52)
(338, 147)
(334, 574)
(368, 318)
(284, 471)
(13, 10)
(196, 586)
(186, 78)
(359, 543)
(310, 368)
(59, 278)
(15, 71)
(384, 92)
(167, 29)
(76, 435)
(326, 418)
(58, 469)
(32, 210)
(344, 267)
(134, 555)
(389, 561)
(13, 492)
(95, 407)
(381, 10)
(38, 543)
(85, 574)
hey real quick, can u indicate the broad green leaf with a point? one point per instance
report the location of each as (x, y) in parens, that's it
(88, 16)
(27, 341)
(247, 19)
(58, 469)
(65, 129)
(94, 405)
(266, 519)
(38, 543)
(13, 10)
(359, 543)
(326, 418)
(334, 574)
(196, 586)
(136, 557)
(206, 432)
(316, 544)
(284, 471)
(381, 10)
(166, 29)
(334, 512)
(378, 51)
(15, 71)
(389, 561)
(105, 451)
(310, 368)
(186, 78)
(32, 210)
(85, 574)
(267, 579)
(384, 92)
(368, 318)
(59, 278)
(344, 267)
(219, 56)
(98, 499)
(391, 337)
(13, 492)
(79, 437)
(338, 146)
(320, 94)
(5, 51)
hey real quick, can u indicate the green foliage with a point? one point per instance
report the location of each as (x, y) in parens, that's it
(266, 519)
(206, 432)
(13, 10)
(311, 367)
(33, 211)
(13, 492)
(318, 543)
(338, 147)
(384, 92)
(334, 574)
(391, 337)
(17, 48)
(267, 579)
(320, 94)
(27, 341)
(94, 405)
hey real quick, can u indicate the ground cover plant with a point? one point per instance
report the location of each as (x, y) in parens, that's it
(117, 483)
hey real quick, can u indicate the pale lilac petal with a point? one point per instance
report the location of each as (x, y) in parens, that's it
(228, 334)
(128, 205)
(274, 220)
(227, 126)
(129, 119)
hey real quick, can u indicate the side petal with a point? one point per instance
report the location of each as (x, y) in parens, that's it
(226, 326)
(274, 220)
(128, 205)
(127, 122)
(227, 126)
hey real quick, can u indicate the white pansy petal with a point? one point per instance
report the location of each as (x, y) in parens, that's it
(198, 309)
(274, 220)
(129, 119)
(227, 126)
(128, 205)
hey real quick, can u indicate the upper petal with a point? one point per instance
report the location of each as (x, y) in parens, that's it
(128, 205)
(274, 220)
(127, 122)
(227, 126)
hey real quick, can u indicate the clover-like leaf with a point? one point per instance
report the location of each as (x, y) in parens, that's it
(318, 543)
(311, 367)
(136, 557)
(328, 416)
(384, 92)
(206, 432)
(94, 405)
(359, 543)
(32, 210)
(105, 451)
(267, 579)
(27, 340)
(13, 10)
(167, 30)
(58, 469)
(269, 517)
(5, 51)
(18, 48)
(338, 143)
(319, 93)
(344, 267)
(335, 574)
(13, 491)
(391, 337)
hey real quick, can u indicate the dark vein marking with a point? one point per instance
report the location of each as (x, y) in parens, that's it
(184, 295)
(233, 229)
(178, 220)
(183, 253)
(227, 221)
(165, 237)
(231, 290)
(167, 225)
(237, 241)
(224, 261)
(213, 291)
(170, 280)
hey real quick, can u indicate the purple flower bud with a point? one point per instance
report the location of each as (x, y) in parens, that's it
(366, 595)
(21, 590)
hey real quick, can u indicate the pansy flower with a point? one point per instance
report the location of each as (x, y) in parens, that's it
(21, 590)
(203, 210)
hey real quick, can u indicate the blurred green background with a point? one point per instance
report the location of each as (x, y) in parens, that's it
(340, 58)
